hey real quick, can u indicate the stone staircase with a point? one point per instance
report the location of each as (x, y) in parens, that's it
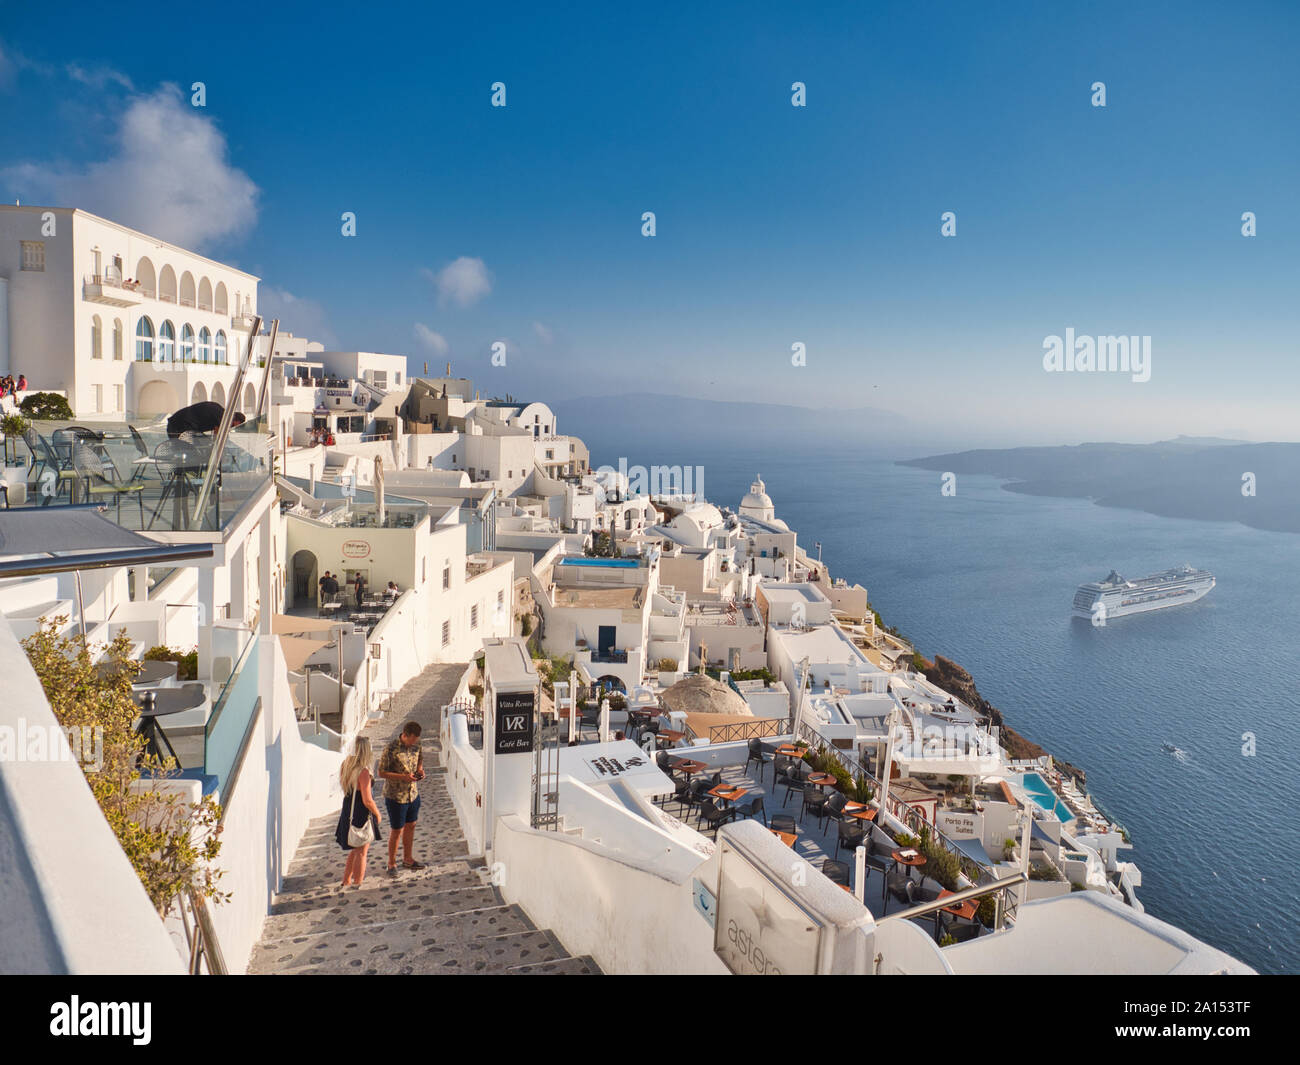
(445, 918)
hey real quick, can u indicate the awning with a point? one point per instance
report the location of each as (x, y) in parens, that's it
(974, 850)
(288, 625)
(297, 649)
(56, 539)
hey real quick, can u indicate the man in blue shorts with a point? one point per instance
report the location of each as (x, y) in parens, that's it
(401, 768)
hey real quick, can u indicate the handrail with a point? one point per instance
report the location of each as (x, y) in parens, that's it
(978, 891)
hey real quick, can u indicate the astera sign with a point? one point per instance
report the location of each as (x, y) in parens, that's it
(356, 549)
(761, 930)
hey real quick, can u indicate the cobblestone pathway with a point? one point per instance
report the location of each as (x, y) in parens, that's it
(446, 918)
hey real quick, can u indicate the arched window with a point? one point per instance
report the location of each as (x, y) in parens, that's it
(96, 338)
(144, 340)
(205, 344)
(187, 289)
(218, 394)
(200, 393)
(220, 300)
(221, 347)
(166, 342)
(250, 399)
(117, 339)
(187, 343)
(205, 295)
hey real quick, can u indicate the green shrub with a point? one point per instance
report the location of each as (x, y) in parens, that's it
(667, 665)
(187, 663)
(526, 625)
(46, 407)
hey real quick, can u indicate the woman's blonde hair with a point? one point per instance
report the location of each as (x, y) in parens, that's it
(353, 764)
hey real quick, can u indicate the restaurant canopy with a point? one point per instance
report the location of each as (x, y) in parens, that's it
(288, 625)
(298, 649)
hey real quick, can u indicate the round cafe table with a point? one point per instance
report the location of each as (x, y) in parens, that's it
(822, 780)
(791, 751)
(914, 862)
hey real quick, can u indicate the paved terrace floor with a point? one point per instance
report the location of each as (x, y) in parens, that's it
(446, 918)
(813, 842)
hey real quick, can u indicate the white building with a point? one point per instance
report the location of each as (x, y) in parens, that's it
(122, 322)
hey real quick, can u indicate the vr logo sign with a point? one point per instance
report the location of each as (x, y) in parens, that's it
(515, 716)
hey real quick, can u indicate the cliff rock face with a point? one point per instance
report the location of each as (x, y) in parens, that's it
(953, 679)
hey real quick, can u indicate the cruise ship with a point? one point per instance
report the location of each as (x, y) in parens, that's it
(1118, 596)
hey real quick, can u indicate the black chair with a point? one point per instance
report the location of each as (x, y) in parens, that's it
(783, 823)
(97, 486)
(756, 755)
(813, 800)
(836, 872)
(792, 776)
(752, 809)
(898, 884)
(882, 866)
(835, 805)
(848, 835)
(713, 816)
(695, 794)
(590, 720)
(961, 931)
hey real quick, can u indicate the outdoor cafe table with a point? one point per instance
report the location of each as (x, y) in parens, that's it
(671, 735)
(867, 814)
(791, 751)
(728, 792)
(822, 780)
(159, 702)
(915, 861)
(965, 909)
(787, 838)
(686, 767)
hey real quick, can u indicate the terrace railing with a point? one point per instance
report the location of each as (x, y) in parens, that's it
(760, 728)
(910, 815)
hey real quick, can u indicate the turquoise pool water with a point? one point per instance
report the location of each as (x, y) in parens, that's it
(1045, 797)
(608, 563)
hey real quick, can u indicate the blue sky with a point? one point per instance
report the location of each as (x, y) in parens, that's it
(775, 224)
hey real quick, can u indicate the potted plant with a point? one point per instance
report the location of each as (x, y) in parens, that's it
(13, 426)
(668, 675)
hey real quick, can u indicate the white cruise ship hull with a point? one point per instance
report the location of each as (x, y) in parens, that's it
(1140, 597)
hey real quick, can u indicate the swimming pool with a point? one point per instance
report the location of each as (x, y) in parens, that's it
(610, 563)
(1039, 791)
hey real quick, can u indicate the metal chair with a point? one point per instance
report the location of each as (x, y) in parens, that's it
(90, 471)
(835, 806)
(175, 460)
(756, 755)
(752, 809)
(144, 461)
(848, 835)
(783, 823)
(713, 816)
(836, 872)
(48, 460)
(812, 799)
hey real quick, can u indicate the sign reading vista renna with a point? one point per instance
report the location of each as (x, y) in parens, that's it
(514, 731)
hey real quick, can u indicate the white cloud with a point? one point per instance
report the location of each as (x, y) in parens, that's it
(301, 317)
(435, 342)
(543, 332)
(462, 282)
(170, 177)
(99, 77)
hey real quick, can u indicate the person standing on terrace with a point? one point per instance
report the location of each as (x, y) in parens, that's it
(402, 768)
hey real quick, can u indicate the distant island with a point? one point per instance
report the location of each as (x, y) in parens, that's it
(1189, 477)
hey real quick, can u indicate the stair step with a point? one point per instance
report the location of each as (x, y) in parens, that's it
(570, 966)
(400, 954)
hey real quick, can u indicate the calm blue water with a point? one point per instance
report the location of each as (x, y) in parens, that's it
(986, 577)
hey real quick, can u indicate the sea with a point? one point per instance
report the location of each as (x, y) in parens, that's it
(1185, 720)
